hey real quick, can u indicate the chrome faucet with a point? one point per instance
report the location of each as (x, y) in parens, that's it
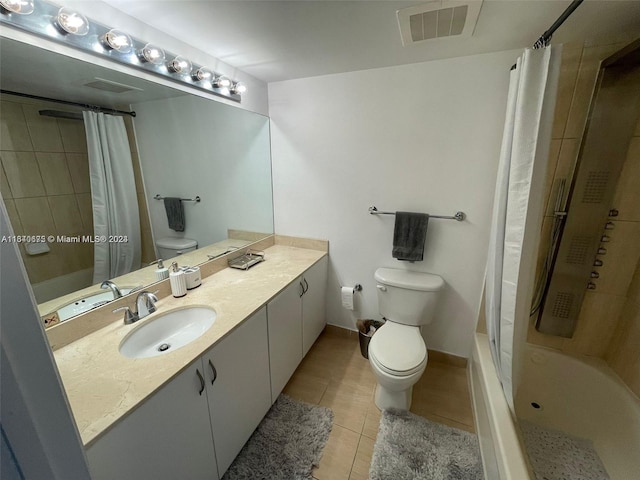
(113, 287)
(145, 305)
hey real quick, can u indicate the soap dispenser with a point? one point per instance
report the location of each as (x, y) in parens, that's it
(162, 272)
(177, 280)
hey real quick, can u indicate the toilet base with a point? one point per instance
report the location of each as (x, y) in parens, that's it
(385, 398)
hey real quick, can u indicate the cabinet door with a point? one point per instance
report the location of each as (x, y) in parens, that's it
(165, 438)
(238, 387)
(313, 303)
(284, 314)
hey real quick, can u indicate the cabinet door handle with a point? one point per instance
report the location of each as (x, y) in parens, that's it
(201, 378)
(301, 289)
(306, 284)
(213, 371)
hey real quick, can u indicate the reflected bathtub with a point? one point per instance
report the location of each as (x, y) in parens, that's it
(582, 398)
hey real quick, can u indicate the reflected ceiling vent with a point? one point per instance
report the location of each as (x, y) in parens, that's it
(110, 86)
(438, 19)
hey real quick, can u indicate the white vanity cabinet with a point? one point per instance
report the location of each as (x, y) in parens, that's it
(238, 387)
(167, 437)
(296, 316)
(314, 316)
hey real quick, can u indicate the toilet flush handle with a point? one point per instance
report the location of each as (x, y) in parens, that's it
(382, 288)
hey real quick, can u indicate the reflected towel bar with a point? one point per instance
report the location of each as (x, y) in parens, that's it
(459, 216)
(197, 199)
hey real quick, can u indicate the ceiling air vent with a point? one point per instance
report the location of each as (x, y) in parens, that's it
(438, 19)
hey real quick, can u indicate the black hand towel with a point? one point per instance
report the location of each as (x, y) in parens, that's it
(175, 213)
(409, 235)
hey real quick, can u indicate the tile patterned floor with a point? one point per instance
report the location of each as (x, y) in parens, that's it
(335, 374)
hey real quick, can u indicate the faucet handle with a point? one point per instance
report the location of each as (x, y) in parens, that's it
(129, 316)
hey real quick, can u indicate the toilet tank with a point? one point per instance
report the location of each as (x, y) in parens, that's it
(170, 247)
(407, 297)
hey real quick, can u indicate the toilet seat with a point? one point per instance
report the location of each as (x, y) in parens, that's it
(398, 349)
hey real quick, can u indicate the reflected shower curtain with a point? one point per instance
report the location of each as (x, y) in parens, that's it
(517, 209)
(113, 193)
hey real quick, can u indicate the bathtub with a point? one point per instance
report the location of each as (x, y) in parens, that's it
(581, 398)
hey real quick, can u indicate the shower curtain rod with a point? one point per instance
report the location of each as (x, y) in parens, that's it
(66, 102)
(545, 38)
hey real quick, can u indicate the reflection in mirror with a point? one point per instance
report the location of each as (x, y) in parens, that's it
(177, 146)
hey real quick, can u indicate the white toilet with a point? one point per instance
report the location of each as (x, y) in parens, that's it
(170, 247)
(397, 353)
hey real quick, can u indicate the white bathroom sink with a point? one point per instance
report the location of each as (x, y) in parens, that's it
(167, 332)
(87, 303)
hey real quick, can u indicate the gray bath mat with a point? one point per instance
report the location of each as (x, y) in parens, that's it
(554, 455)
(410, 447)
(286, 445)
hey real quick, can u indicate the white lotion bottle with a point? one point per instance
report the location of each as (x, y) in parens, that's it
(162, 272)
(177, 280)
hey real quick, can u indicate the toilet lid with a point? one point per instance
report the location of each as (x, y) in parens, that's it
(176, 243)
(398, 349)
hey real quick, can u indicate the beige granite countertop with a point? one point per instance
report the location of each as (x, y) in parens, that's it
(103, 386)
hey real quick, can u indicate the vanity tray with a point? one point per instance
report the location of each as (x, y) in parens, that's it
(248, 260)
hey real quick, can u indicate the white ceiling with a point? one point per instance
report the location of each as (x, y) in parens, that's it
(280, 40)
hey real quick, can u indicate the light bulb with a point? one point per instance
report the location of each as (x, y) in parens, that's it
(118, 41)
(21, 7)
(238, 88)
(72, 22)
(202, 73)
(221, 82)
(179, 65)
(152, 54)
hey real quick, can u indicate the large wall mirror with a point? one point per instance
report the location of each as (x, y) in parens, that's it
(180, 146)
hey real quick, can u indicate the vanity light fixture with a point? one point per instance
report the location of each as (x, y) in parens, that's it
(67, 26)
(238, 88)
(72, 22)
(202, 73)
(152, 54)
(179, 65)
(221, 82)
(118, 41)
(21, 7)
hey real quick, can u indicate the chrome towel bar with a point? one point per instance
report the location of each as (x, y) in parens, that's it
(197, 199)
(459, 216)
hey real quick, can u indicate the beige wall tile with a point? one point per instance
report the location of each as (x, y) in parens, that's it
(23, 174)
(624, 354)
(14, 218)
(585, 83)
(14, 134)
(338, 454)
(627, 198)
(55, 173)
(86, 212)
(66, 215)
(44, 132)
(35, 216)
(73, 136)
(596, 324)
(5, 189)
(619, 263)
(633, 294)
(148, 253)
(571, 54)
(79, 170)
(137, 173)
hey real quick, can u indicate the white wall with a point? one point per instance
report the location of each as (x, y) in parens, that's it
(422, 137)
(189, 146)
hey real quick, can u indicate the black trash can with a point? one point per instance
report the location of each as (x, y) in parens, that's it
(366, 329)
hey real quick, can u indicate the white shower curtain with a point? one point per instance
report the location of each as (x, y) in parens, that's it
(113, 192)
(517, 210)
